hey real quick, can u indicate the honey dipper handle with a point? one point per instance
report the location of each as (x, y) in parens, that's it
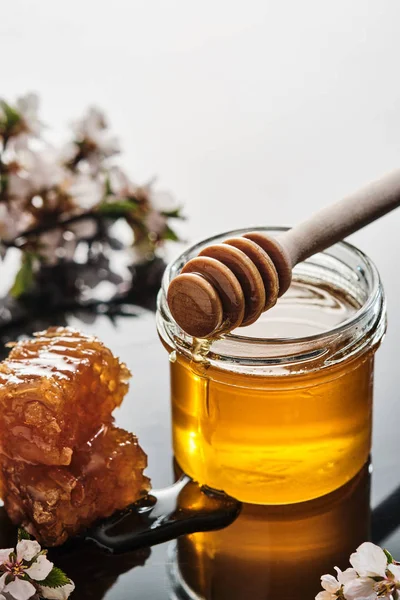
(337, 221)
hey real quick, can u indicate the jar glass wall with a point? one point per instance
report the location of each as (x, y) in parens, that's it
(280, 412)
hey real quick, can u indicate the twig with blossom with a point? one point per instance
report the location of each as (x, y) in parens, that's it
(27, 573)
(51, 199)
(374, 575)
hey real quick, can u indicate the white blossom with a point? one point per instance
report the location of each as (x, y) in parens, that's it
(4, 554)
(18, 589)
(369, 560)
(93, 130)
(332, 585)
(68, 152)
(40, 568)
(87, 191)
(163, 201)
(38, 171)
(366, 588)
(395, 571)
(155, 222)
(27, 549)
(18, 186)
(160, 202)
(24, 568)
(361, 588)
(45, 184)
(13, 220)
(121, 185)
(59, 593)
(371, 578)
(28, 109)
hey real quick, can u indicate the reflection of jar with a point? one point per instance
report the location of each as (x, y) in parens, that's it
(280, 412)
(273, 552)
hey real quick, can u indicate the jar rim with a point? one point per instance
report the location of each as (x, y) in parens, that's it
(337, 329)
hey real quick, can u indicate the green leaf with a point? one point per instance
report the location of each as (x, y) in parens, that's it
(108, 187)
(173, 214)
(12, 116)
(23, 535)
(24, 278)
(388, 556)
(169, 234)
(56, 578)
(117, 208)
(3, 181)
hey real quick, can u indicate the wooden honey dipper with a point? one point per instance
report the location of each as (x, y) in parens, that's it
(230, 284)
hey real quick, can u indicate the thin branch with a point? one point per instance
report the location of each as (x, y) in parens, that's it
(63, 223)
(38, 230)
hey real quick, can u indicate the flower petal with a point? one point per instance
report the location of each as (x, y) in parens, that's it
(163, 201)
(40, 568)
(86, 191)
(155, 222)
(120, 183)
(360, 589)
(395, 571)
(325, 596)
(330, 583)
(369, 561)
(5, 553)
(59, 593)
(20, 589)
(3, 581)
(346, 576)
(27, 549)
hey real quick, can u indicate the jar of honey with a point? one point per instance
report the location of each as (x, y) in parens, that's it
(280, 412)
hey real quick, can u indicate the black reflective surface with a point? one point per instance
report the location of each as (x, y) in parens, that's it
(268, 552)
(163, 515)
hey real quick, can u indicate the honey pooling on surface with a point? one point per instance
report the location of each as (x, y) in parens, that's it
(56, 390)
(54, 503)
(63, 464)
(276, 439)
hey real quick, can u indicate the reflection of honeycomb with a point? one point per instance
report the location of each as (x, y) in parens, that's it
(55, 502)
(56, 390)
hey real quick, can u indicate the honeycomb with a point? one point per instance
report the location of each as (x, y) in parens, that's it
(56, 502)
(56, 390)
(63, 463)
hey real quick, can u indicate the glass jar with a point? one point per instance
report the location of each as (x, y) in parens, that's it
(281, 411)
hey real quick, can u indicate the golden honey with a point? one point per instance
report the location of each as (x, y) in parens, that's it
(280, 412)
(267, 442)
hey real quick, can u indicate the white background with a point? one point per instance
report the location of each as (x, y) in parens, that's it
(251, 112)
